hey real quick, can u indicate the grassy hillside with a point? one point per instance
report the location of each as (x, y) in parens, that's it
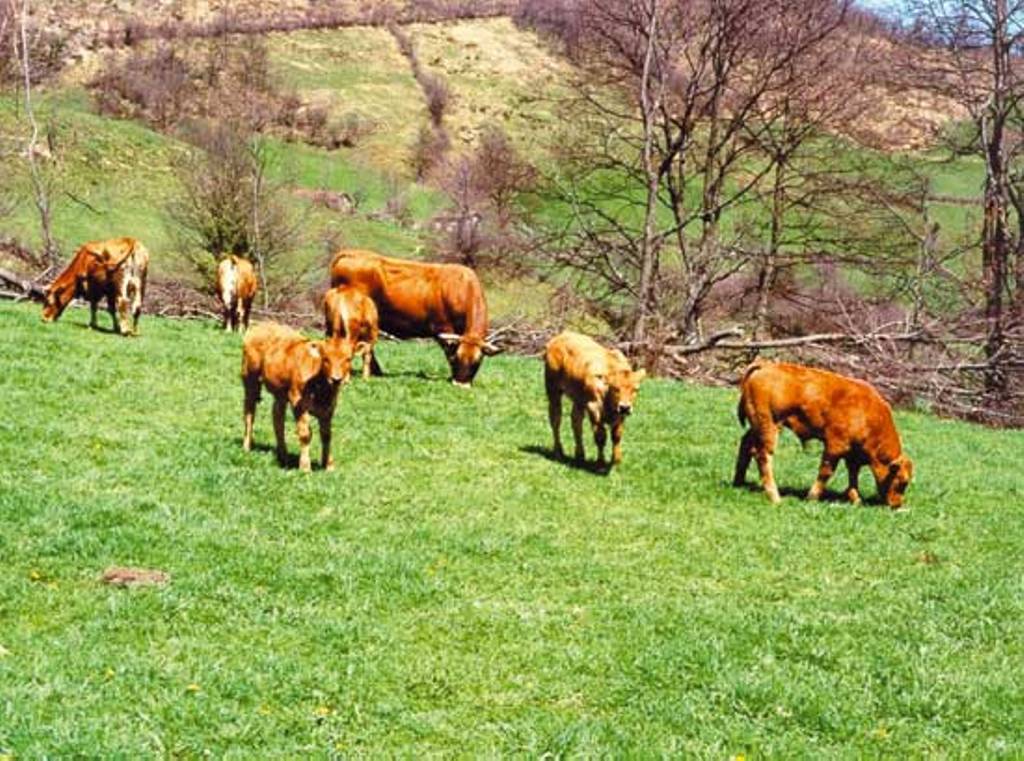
(115, 177)
(450, 589)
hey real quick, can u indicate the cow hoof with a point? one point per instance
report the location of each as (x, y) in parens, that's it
(460, 384)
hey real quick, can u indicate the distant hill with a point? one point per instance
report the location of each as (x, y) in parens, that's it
(494, 67)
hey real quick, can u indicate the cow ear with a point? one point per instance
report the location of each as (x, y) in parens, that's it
(490, 349)
(310, 362)
(639, 375)
(599, 384)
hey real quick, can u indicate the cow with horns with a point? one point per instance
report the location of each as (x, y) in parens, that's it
(423, 300)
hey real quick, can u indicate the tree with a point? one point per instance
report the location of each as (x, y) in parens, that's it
(674, 107)
(42, 181)
(979, 67)
(228, 205)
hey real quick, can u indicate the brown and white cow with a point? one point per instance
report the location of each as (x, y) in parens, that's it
(236, 289)
(601, 385)
(423, 300)
(350, 314)
(114, 270)
(295, 370)
(849, 416)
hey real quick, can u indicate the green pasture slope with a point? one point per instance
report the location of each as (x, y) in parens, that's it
(452, 590)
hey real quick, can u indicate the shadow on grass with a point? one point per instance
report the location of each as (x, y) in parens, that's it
(421, 374)
(830, 496)
(98, 328)
(291, 458)
(590, 466)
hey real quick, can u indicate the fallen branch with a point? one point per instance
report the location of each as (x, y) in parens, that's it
(717, 341)
(27, 287)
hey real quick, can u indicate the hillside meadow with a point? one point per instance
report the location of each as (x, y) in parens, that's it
(452, 590)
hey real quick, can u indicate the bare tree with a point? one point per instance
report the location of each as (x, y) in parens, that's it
(228, 205)
(979, 65)
(34, 151)
(675, 98)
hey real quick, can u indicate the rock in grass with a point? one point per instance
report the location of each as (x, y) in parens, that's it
(134, 577)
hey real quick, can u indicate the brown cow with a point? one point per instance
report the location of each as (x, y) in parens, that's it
(236, 289)
(296, 371)
(423, 300)
(849, 415)
(350, 314)
(111, 269)
(600, 383)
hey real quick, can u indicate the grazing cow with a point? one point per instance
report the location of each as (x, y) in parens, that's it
(296, 371)
(423, 300)
(600, 383)
(850, 416)
(111, 269)
(352, 315)
(236, 288)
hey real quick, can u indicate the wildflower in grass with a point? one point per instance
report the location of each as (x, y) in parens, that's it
(192, 687)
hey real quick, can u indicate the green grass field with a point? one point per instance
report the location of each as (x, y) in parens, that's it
(451, 590)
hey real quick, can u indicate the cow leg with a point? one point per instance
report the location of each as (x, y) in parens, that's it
(326, 460)
(600, 433)
(367, 361)
(123, 315)
(305, 436)
(578, 410)
(555, 418)
(93, 305)
(825, 471)
(748, 448)
(765, 452)
(112, 308)
(617, 441)
(853, 469)
(226, 321)
(252, 397)
(280, 403)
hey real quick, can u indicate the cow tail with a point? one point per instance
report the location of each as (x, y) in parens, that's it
(741, 413)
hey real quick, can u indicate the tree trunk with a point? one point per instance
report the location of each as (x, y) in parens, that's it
(766, 279)
(995, 230)
(649, 245)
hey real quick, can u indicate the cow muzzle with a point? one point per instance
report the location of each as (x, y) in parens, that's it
(625, 409)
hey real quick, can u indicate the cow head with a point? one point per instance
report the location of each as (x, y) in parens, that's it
(56, 300)
(330, 360)
(619, 388)
(464, 355)
(896, 480)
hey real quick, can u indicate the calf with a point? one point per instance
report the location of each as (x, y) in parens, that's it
(114, 270)
(236, 289)
(848, 415)
(296, 371)
(600, 383)
(352, 315)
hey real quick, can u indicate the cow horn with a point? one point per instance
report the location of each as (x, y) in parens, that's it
(449, 338)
